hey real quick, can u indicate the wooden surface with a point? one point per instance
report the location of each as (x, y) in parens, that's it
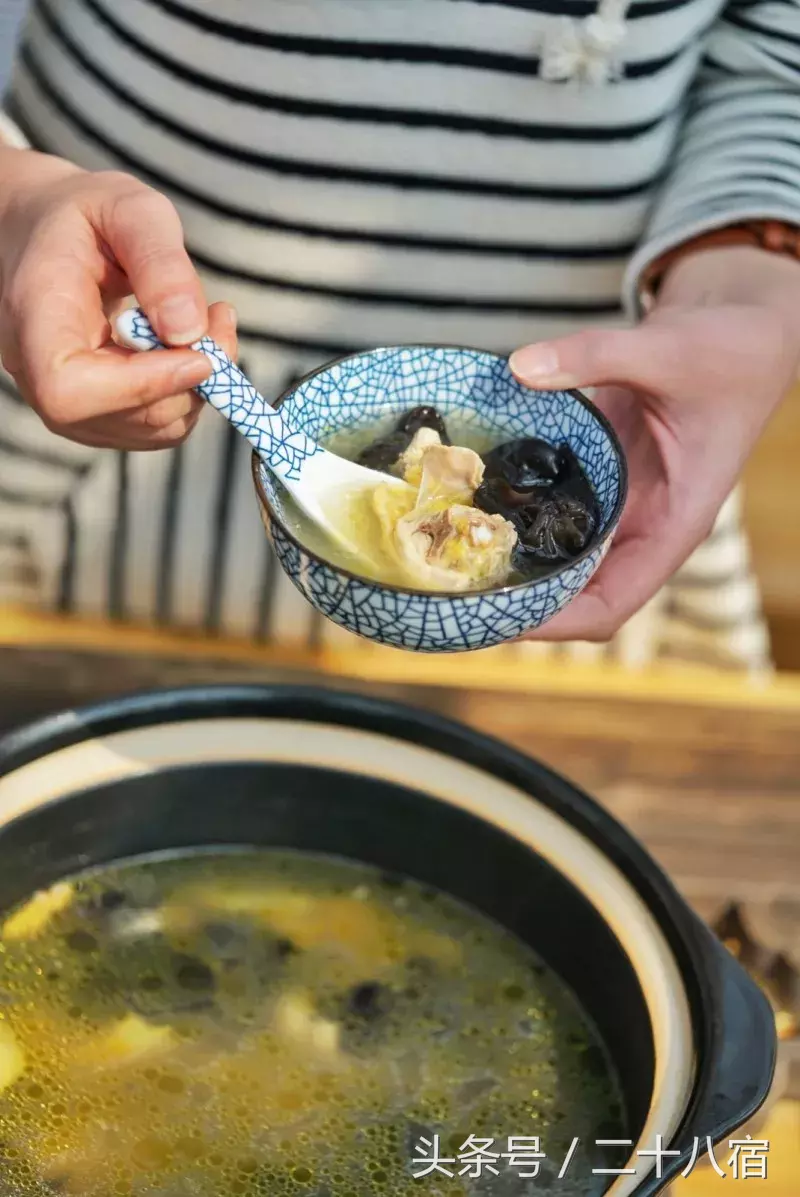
(709, 781)
(772, 509)
(782, 1132)
(713, 788)
(521, 668)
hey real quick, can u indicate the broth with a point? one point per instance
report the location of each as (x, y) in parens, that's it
(265, 1022)
(505, 564)
(356, 516)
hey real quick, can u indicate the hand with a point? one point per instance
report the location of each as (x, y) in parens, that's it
(72, 246)
(689, 392)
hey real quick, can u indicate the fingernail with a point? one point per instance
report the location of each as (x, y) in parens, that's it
(190, 373)
(180, 320)
(535, 363)
(233, 315)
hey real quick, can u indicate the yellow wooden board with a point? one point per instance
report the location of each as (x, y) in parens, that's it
(782, 1131)
(490, 670)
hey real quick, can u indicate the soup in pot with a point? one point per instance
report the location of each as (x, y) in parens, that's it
(262, 1023)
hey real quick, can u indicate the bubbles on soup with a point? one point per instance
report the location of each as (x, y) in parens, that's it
(274, 1023)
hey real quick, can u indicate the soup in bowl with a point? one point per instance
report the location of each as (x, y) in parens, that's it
(514, 496)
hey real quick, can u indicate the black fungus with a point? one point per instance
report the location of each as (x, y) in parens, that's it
(526, 463)
(151, 983)
(146, 976)
(240, 943)
(559, 529)
(284, 948)
(544, 493)
(226, 940)
(423, 417)
(112, 899)
(421, 967)
(369, 1001)
(56, 1184)
(193, 974)
(384, 453)
(496, 497)
(81, 941)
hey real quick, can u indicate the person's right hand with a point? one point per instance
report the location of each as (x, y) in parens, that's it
(73, 245)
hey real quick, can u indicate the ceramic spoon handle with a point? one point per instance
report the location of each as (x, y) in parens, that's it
(282, 448)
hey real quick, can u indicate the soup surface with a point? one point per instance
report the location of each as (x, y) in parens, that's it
(268, 1022)
(484, 512)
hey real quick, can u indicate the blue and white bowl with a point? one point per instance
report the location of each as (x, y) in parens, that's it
(359, 390)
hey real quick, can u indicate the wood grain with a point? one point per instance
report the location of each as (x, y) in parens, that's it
(772, 511)
(713, 790)
(501, 669)
(782, 1132)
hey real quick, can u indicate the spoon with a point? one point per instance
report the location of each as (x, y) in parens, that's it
(317, 480)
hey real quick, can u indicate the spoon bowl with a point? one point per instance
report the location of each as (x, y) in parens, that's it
(319, 482)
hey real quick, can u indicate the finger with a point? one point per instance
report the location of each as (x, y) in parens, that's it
(63, 345)
(85, 384)
(646, 357)
(152, 417)
(164, 412)
(167, 421)
(611, 598)
(634, 571)
(144, 232)
(222, 321)
(174, 434)
(134, 438)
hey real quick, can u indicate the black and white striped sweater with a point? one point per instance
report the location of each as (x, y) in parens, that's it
(353, 172)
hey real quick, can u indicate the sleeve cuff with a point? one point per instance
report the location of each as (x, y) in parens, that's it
(654, 247)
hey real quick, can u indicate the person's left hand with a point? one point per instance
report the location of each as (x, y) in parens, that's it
(689, 392)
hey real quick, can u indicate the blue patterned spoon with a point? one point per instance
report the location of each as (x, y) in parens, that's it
(317, 480)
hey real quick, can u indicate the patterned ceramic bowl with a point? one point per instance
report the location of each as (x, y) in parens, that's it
(359, 390)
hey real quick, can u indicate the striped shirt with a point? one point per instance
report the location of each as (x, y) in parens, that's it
(357, 172)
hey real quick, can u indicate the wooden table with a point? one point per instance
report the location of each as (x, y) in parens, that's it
(705, 771)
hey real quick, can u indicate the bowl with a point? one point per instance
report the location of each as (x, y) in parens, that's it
(358, 390)
(690, 1034)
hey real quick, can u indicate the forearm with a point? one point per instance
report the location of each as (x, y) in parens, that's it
(737, 160)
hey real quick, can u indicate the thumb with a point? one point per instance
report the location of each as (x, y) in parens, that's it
(640, 357)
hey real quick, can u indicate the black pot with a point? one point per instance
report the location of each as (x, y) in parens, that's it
(692, 1037)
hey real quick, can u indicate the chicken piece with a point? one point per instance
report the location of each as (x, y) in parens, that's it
(299, 1022)
(450, 475)
(456, 549)
(128, 1041)
(306, 920)
(443, 543)
(12, 1057)
(409, 464)
(31, 919)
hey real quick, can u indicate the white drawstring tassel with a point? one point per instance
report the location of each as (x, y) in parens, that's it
(589, 50)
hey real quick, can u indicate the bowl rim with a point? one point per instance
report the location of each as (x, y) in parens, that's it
(449, 595)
